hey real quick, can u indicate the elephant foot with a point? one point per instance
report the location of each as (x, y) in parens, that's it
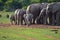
(57, 24)
(24, 24)
(53, 24)
(33, 23)
(19, 24)
(28, 25)
(44, 24)
(15, 24)
(50, 23)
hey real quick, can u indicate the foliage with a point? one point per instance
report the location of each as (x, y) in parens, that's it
(4, 18)
(11, 5)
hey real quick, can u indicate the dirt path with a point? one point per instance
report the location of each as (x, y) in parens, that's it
(32, 26)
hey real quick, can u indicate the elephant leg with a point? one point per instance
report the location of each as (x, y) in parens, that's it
(53, 19)
(50, 20)
(46, 21)
(18, 21)
(57, 19)
(27, 22)
(21, 21)
(15, 22)
(30, 21)
(41, 21)
(24, 21)
(34, 21)
(15, 19)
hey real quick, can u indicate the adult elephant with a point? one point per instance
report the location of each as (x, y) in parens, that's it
(42, 17)
(53, 12)
(19, 16)
(35, 10)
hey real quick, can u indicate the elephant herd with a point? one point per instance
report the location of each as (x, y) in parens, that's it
(39, 13)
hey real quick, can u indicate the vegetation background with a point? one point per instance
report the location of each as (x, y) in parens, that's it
(11, 5)
(7, 7)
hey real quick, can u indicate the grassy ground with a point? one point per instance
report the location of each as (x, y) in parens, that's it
(17, 33)
(4, 19)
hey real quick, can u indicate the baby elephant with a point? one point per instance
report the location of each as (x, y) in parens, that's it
(12, 19)
(28, 18)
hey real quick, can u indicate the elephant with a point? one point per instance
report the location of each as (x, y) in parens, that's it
(35, 9)
(53, 12)
(42, 17)
(50, 14)
(12, 19)
(28, 18)
(19, 16)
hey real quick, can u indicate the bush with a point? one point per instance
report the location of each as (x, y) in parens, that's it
(7, 16)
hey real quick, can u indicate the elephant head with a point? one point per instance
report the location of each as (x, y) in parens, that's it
(28, 18)
(53, 13)
(12, 19)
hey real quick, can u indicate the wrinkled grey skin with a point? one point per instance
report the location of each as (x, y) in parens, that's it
(53, 12)
(42, 17)
(12, 19)
(19, 16)
(35, 9)
(28, 18)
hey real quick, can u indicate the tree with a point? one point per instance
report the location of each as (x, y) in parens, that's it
(11, 5)
(1, 5)
(42, 1)
(26, 2)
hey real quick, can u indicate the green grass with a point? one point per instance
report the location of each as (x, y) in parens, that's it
(4, 19)
(16, 33)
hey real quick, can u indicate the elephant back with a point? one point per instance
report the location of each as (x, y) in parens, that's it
(36, 8)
